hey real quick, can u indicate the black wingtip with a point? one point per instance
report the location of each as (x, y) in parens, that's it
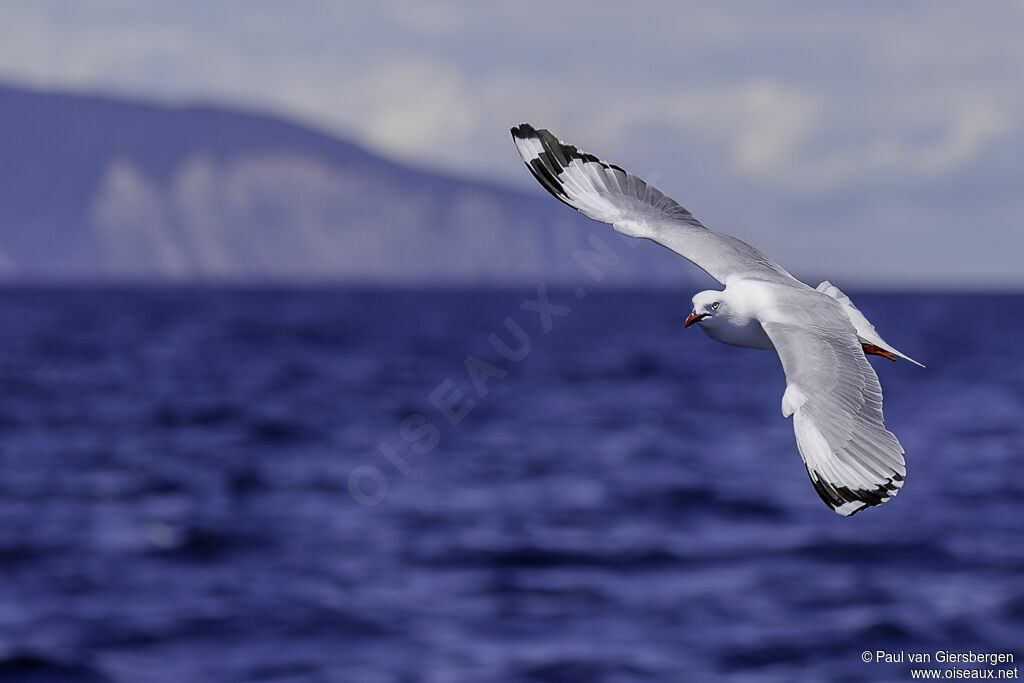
(837, 496)
(523, 131)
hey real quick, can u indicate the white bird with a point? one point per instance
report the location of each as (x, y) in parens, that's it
(832, 392)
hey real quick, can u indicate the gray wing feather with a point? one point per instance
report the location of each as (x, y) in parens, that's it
(607, 193)
(834, 396)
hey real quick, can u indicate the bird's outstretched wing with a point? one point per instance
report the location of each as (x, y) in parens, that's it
(607, 193)
(836, 403)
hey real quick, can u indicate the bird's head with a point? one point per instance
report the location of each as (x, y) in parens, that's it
(706, 305)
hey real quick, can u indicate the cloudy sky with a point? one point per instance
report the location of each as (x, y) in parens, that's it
(881, 142)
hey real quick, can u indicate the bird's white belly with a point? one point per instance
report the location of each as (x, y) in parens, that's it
(746, 332)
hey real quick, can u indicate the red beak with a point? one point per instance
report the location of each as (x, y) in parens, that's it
(694, 317)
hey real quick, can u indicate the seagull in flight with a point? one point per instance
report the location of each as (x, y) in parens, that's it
(832, 393)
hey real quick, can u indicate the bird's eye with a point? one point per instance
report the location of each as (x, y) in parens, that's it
(714, 306)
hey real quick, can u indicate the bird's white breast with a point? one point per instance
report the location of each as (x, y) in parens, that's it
(737, 331)
(740, 325)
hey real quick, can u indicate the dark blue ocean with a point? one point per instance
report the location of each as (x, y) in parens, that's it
(626, 502)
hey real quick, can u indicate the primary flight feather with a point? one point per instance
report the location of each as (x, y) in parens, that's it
(832, 393)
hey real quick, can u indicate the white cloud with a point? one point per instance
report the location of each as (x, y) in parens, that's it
(769, 88)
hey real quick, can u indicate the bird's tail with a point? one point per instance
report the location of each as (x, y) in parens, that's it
(865, 330)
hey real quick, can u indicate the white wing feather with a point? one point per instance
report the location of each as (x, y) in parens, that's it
(834, 396)
(607, 193)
